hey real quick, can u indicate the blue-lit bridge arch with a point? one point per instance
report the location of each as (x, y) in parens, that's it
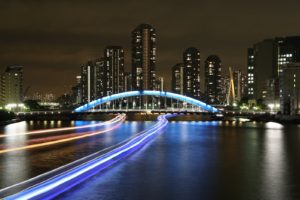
(179, 97)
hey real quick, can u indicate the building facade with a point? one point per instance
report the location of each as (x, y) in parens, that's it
(213, 79)
(114, 70)
(93, 80)
(12, 86)
(143, 57)
(250, 73)
(289, 89)
(191, 61)
(178, 83)
(143, 62)
(264, 66)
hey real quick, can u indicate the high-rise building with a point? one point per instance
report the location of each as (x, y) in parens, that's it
(178, 83)
(143, 62)
(128, 81)
(93, 80)
(159, 85)
(265, 67)
(289, 89)
(76, 91)
(12, 86)
(238, 80)
(100, 75)
(244, 85)
(264, 63)
(143, 57)
(191, 61)
(213, 79)
(250, 75)
(225, 89)
(104, 76)
(114, 69)
(288, 50)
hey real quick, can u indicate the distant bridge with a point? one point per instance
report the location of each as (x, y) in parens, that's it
(171, 95)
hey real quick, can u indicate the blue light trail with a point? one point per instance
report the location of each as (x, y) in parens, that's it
(66, 177)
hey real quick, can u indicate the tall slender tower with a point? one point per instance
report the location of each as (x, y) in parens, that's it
(114, 64)
(88, 82)
(143, 57)
(191, 61)
(143, 61)
(213, 79)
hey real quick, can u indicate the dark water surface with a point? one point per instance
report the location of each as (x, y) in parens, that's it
(189, 160)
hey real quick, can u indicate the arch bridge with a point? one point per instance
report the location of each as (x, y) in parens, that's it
(122, 95)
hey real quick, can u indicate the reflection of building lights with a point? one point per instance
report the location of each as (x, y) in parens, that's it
(74, 173)
(59, 141)
(273, 125)
(93, 124)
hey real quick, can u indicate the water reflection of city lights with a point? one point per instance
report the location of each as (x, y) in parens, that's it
(273, 125)
(58, 141)
(114, 120)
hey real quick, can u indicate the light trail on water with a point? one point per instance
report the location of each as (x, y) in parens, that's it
(116, 119)
(66, 177)
(59, 141)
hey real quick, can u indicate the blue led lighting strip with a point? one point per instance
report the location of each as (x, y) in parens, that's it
(180, 97)
(67, 179)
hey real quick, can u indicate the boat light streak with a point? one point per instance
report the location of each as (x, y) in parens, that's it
(114, 120)
(59, 141)
(59, 183)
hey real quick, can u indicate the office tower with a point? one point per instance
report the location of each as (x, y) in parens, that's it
(12, 86)
(288, 50)
(93, 80)
(289, 89)
(114, 69)
(191, 61)
(213, 79)
(143, 57)
(178, 83)
(264, 65)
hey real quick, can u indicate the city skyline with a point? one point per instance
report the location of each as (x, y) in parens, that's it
(60, 43)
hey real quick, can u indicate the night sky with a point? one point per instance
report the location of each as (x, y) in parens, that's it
(52, 38)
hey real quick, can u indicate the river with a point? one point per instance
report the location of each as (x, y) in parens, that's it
(189, 160)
